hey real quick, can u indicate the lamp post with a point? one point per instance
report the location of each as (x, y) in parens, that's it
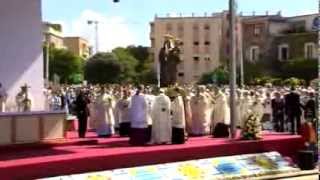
(232, 13)
(47, 62)
(95, 23)
(318, 88)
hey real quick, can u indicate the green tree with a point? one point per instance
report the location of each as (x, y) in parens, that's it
(103, 68)
(252, 71)
(128, 64)
(141, 54)
(219, 76)
(300, 68)
(66, 65)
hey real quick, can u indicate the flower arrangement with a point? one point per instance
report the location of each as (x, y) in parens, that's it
(252, 128)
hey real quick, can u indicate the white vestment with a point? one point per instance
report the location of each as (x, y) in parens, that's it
(122, 111)
(162, 124)
(258, 108)
(188, 113)
(221, 112)
(178, 113)
(93, 114)
(200, 107)
(104, 115)
(138, 112)
(150, 100)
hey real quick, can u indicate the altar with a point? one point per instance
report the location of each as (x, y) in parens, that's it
(31, 127)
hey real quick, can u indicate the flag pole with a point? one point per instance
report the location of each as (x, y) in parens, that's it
(233, 83)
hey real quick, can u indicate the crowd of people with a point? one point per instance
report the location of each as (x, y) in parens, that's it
(150, 115)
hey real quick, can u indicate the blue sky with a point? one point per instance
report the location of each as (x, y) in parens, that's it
(127, 22)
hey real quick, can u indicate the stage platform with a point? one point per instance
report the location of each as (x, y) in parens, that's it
(98, 154)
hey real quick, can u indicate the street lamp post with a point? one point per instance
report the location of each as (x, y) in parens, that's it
(232, 12)
(47, 62)
(96, 23)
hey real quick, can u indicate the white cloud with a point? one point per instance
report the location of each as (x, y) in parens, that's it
(113, 31)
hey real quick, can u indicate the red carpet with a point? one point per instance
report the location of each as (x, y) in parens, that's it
(113, 153)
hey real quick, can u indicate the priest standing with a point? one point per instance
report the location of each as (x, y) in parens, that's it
(200, 107)
(104, 115)
(161, 125)
(138, 119)
(178, 118)
(122, 113)
(221, 120)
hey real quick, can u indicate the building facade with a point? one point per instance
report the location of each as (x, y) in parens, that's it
(53, 35)
(201, 41)
(274, 37)
(78, 46)
(206, 40)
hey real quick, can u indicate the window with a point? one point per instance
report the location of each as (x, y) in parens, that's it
(254, 53)
(180, 74)
(196, 27)
(207, 43)
(207, 27)
(169, 27)
(180, 30)
(309, 51)
(152, 42)
(283, 52)
(196, 43)
(207, 59)
(196, 58)
(257, 30)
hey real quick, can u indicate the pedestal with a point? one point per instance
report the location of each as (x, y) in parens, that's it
(31, 127)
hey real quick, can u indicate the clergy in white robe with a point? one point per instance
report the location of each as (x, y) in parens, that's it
(188, 113)
(93, 114)
(3, 98)
(104, 115)
(200, 107)
(150, 100)
(122, 114)
(138, 119)
(178, 120)
(257, 107)
(162, 124)
(221, 114)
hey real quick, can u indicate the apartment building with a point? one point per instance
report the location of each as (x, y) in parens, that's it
(79, 46)
(52, 34)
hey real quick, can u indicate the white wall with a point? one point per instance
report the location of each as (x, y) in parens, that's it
(20, 48)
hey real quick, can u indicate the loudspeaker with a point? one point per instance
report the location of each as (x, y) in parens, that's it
(306, 160)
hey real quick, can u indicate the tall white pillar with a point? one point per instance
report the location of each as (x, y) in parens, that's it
(21, 58)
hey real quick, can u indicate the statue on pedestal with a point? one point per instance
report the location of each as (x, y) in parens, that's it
(169, 58)
(23, 99)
